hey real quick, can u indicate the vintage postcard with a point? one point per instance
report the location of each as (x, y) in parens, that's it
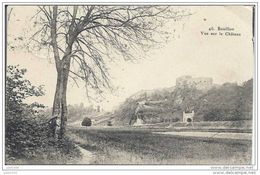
(121, 84)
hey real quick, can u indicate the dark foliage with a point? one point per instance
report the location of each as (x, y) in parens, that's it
(175, 119)
(22, 132)
(229, 102)
(86, 122)
(26, 127)
(109, 123)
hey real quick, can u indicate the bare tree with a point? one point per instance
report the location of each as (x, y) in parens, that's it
(83, 38)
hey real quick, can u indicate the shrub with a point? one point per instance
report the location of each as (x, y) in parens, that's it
(109, 123)
(86, 122)
(22, 130)
(26, 128)
(175, 120)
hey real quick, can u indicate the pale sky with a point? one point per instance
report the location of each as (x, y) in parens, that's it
(224, 58)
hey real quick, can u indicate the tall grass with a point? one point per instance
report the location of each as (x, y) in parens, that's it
(143, 147)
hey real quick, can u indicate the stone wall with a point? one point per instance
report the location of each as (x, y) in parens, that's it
(200, 83)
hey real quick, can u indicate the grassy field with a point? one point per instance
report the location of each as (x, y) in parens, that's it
(133, 146)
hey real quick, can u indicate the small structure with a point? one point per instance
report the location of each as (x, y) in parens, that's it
(187, 117)
(138, 114)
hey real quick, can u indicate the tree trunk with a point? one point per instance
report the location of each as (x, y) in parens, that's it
(60, 101)
(64, 110)
(57, 98)
(56, 109)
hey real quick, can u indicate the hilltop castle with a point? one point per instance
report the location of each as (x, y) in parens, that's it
(200, 83)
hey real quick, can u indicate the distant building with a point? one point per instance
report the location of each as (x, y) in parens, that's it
(187, 117)
(200, 83)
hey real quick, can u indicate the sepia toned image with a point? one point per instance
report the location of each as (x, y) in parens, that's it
(129, 84)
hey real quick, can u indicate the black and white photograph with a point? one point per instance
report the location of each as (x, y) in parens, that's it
(123, 84)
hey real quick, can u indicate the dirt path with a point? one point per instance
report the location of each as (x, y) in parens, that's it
(88, 157)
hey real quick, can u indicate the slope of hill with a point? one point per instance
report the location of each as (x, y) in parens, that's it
(227, 102)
